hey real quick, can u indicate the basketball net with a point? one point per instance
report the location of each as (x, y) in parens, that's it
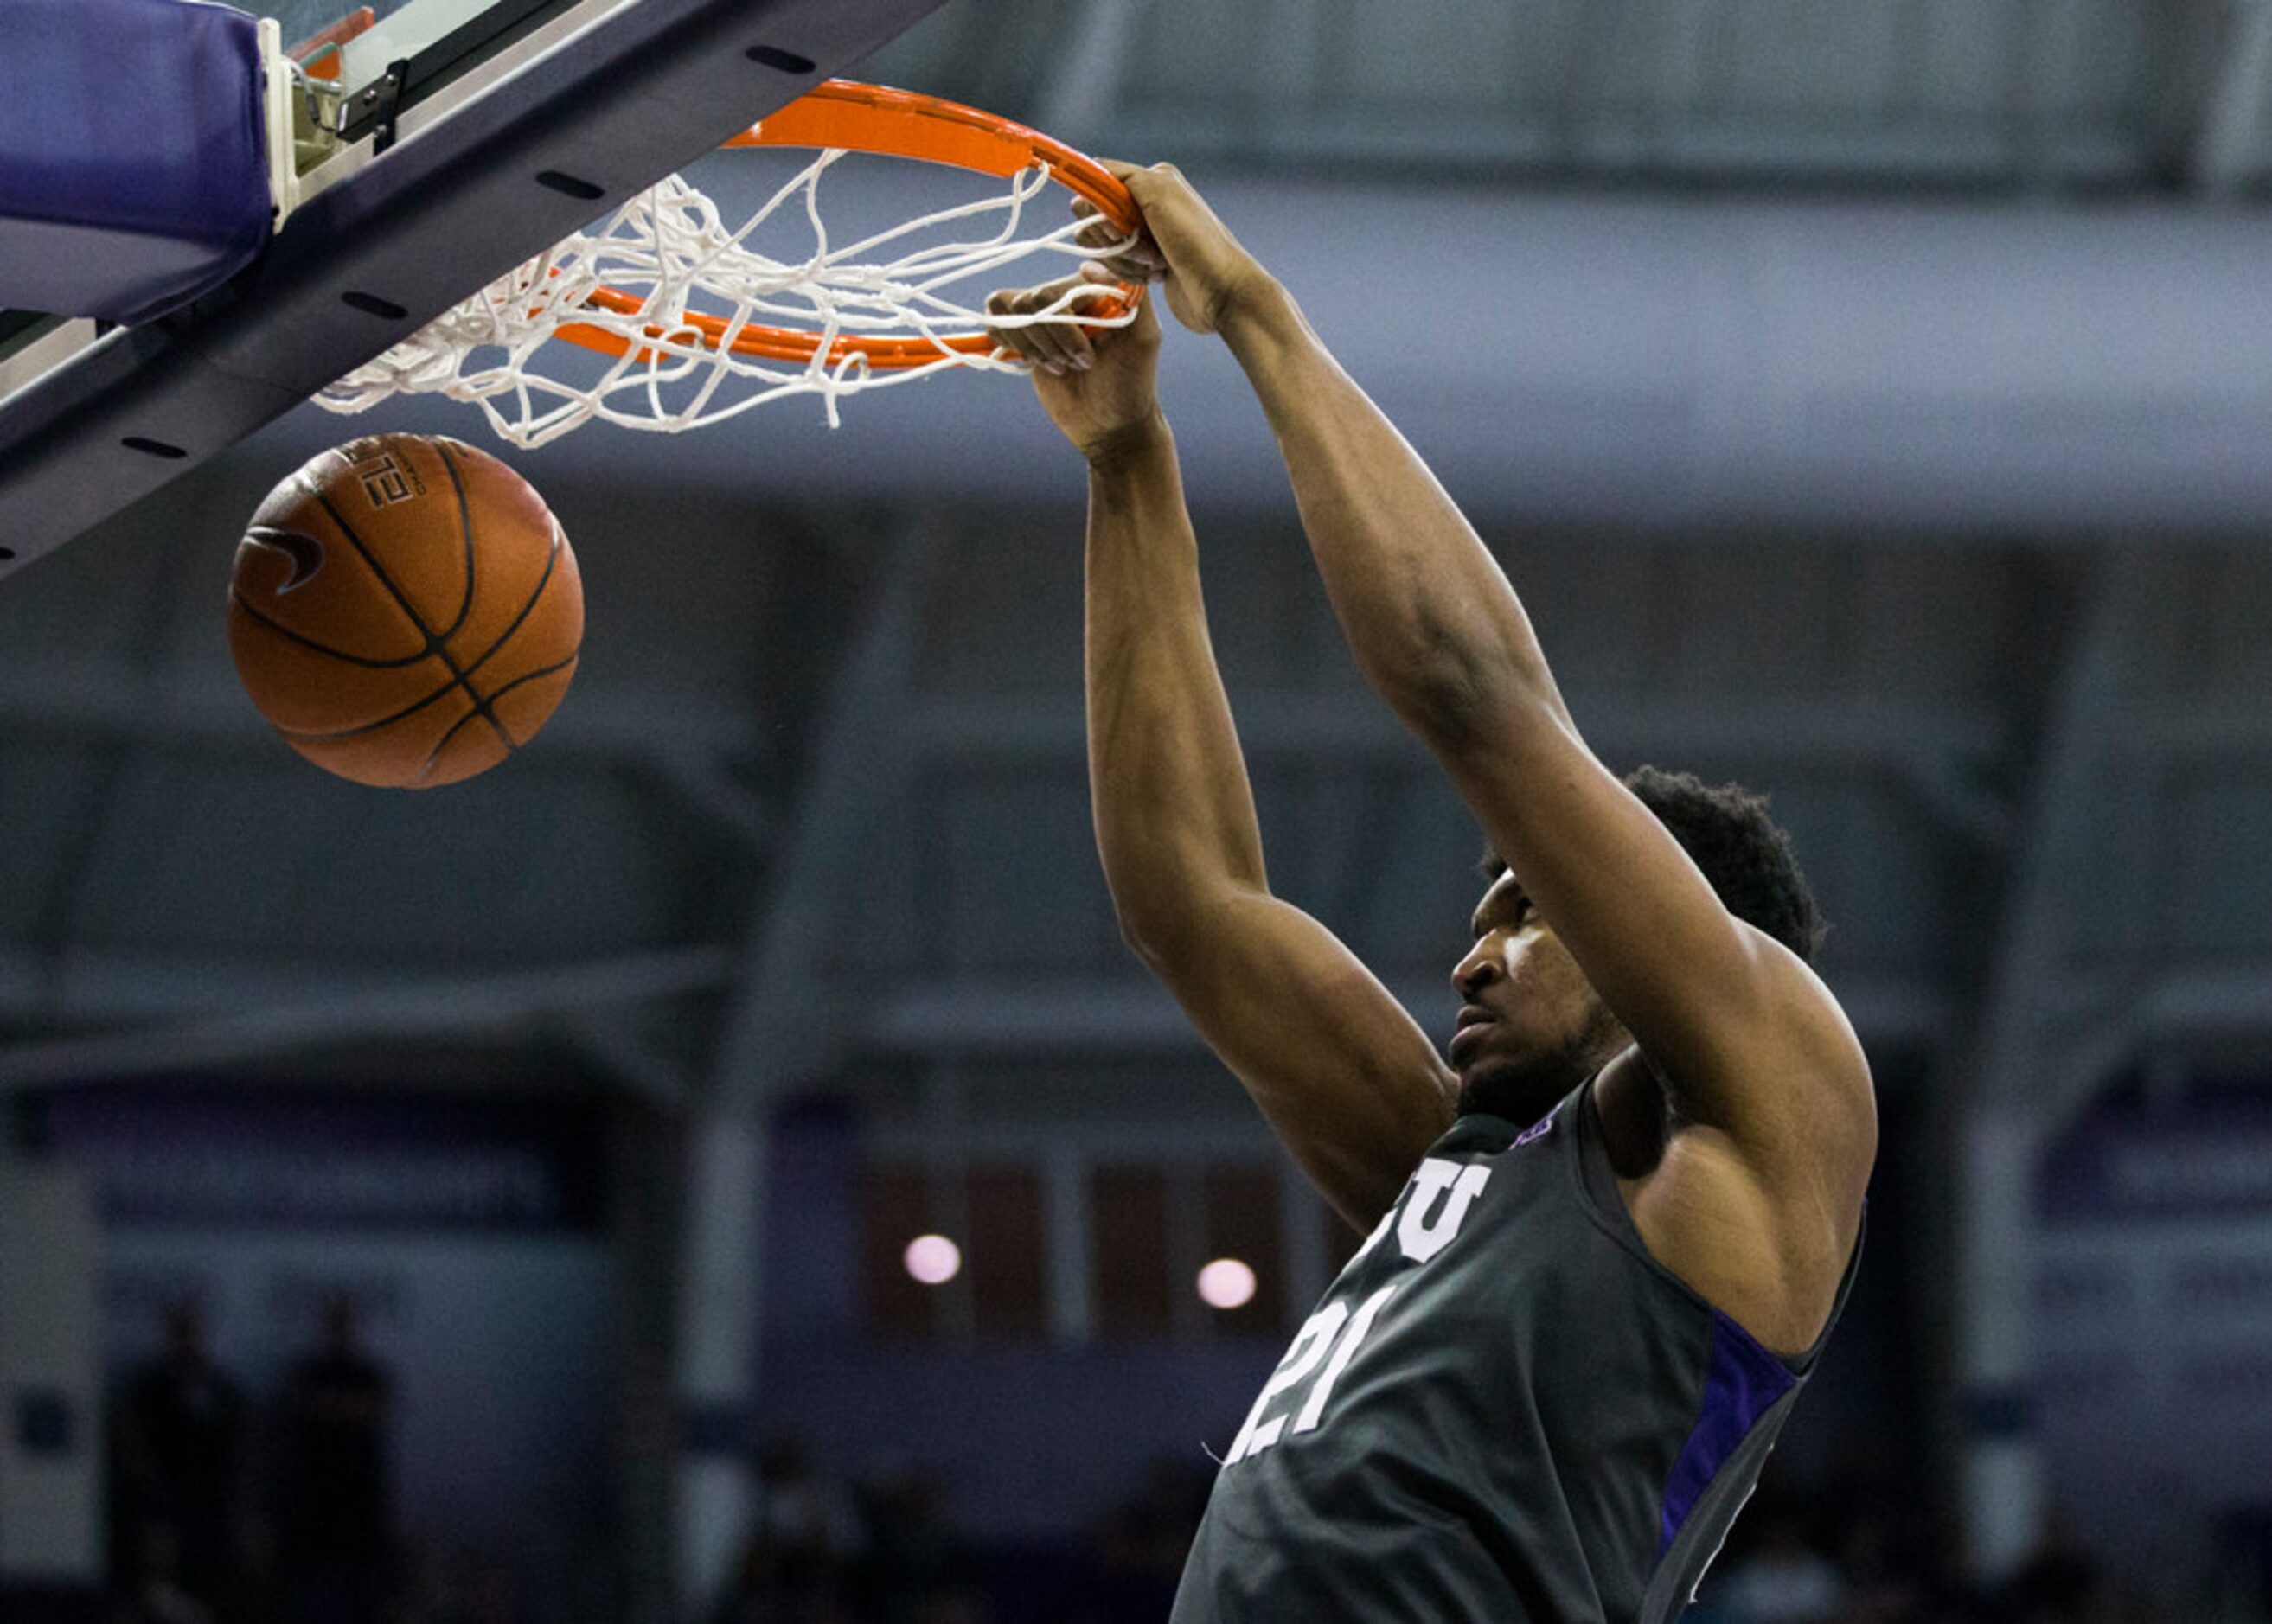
(887, 309)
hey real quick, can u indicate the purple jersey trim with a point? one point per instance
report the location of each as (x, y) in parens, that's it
(1742, 1383)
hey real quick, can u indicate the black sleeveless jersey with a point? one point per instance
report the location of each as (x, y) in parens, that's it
(1503, 1409)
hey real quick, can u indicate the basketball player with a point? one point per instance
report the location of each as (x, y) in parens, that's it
(1609, 1228)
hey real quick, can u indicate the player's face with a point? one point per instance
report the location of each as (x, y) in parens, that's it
(1531, 1026)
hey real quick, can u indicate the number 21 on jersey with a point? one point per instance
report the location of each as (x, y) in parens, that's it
(1330, 1337)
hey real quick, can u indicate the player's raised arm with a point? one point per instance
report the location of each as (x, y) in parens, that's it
(1745, 1038)
(1349, 1081)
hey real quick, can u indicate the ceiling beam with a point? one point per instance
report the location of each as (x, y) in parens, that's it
(777, 1015)
(1934, 752)
(687, 743)
(1856, 730)
(1082, 93)
(2229, 145)
(205, 710)
(1955, 152)
(241, 1021)
(2029, 1068)
(2206, 1000)
(1013, 1015)
(1020, 1011)
(607, 1036)
(2236, 723)
(2061, 833)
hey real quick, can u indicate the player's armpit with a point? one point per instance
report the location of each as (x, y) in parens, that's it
(1340, 1071)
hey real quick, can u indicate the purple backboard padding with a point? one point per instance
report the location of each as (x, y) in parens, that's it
(645, 91)
(133, 166)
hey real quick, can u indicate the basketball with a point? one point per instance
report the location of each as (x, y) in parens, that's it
(405, 611)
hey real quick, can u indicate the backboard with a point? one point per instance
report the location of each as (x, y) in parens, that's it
(460, 137)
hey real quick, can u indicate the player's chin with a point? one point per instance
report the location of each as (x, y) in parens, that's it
(1502, 1073)
(1492, 1079)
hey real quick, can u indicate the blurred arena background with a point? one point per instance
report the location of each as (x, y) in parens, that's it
(506, 1189)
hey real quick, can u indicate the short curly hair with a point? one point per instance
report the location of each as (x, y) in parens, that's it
(1727, 833)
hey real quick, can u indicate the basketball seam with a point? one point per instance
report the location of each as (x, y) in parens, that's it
(465, 532)
(526, 609)
(530, 677)
(415, 709)
(443, 743)
(482, 659)
(480, 704)
(366, 727)
(437, 644)
(278, 627)
(465, 607)
(434, 644)
(551, 559)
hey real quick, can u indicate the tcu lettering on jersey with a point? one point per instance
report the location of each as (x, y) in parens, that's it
(1427, 1218)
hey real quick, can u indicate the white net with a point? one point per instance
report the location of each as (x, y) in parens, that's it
(696, 287)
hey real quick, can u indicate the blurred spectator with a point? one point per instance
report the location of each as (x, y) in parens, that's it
(1887, 1581)
(802, 1539)
(336, 1516)
(179, 1442)
(488, 1594)
(808, 1520)
(2059, 1583)
(1142, 1544)
(915, 1570)
(154, 1592)
(1783, 1580)
(2245, 1576)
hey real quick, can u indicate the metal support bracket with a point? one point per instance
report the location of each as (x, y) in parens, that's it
(386, 97)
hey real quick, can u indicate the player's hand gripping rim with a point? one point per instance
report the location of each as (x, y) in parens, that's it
(1204, 271)
(1056, 348)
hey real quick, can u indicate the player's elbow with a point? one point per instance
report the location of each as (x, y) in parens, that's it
(1458, 702)
(1142, 932)
(1449, 665)
(1166, 884)
(1160, 928)
(1178, 933)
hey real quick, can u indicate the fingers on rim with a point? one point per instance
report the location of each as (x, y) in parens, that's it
(1062, 345)
(1057, 346)
(1012, 340)
(1142, 257)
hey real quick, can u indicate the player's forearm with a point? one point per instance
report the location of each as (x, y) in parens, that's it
(1427, 611)
(1175, 816)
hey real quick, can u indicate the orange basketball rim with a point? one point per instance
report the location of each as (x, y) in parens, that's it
(898, 124)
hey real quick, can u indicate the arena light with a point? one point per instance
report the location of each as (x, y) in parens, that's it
(933, 1260)
(1226, 1283)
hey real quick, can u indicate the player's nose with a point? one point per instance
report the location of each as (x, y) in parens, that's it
(1478, 970)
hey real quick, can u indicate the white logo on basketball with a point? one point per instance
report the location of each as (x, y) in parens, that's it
(305, 552)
